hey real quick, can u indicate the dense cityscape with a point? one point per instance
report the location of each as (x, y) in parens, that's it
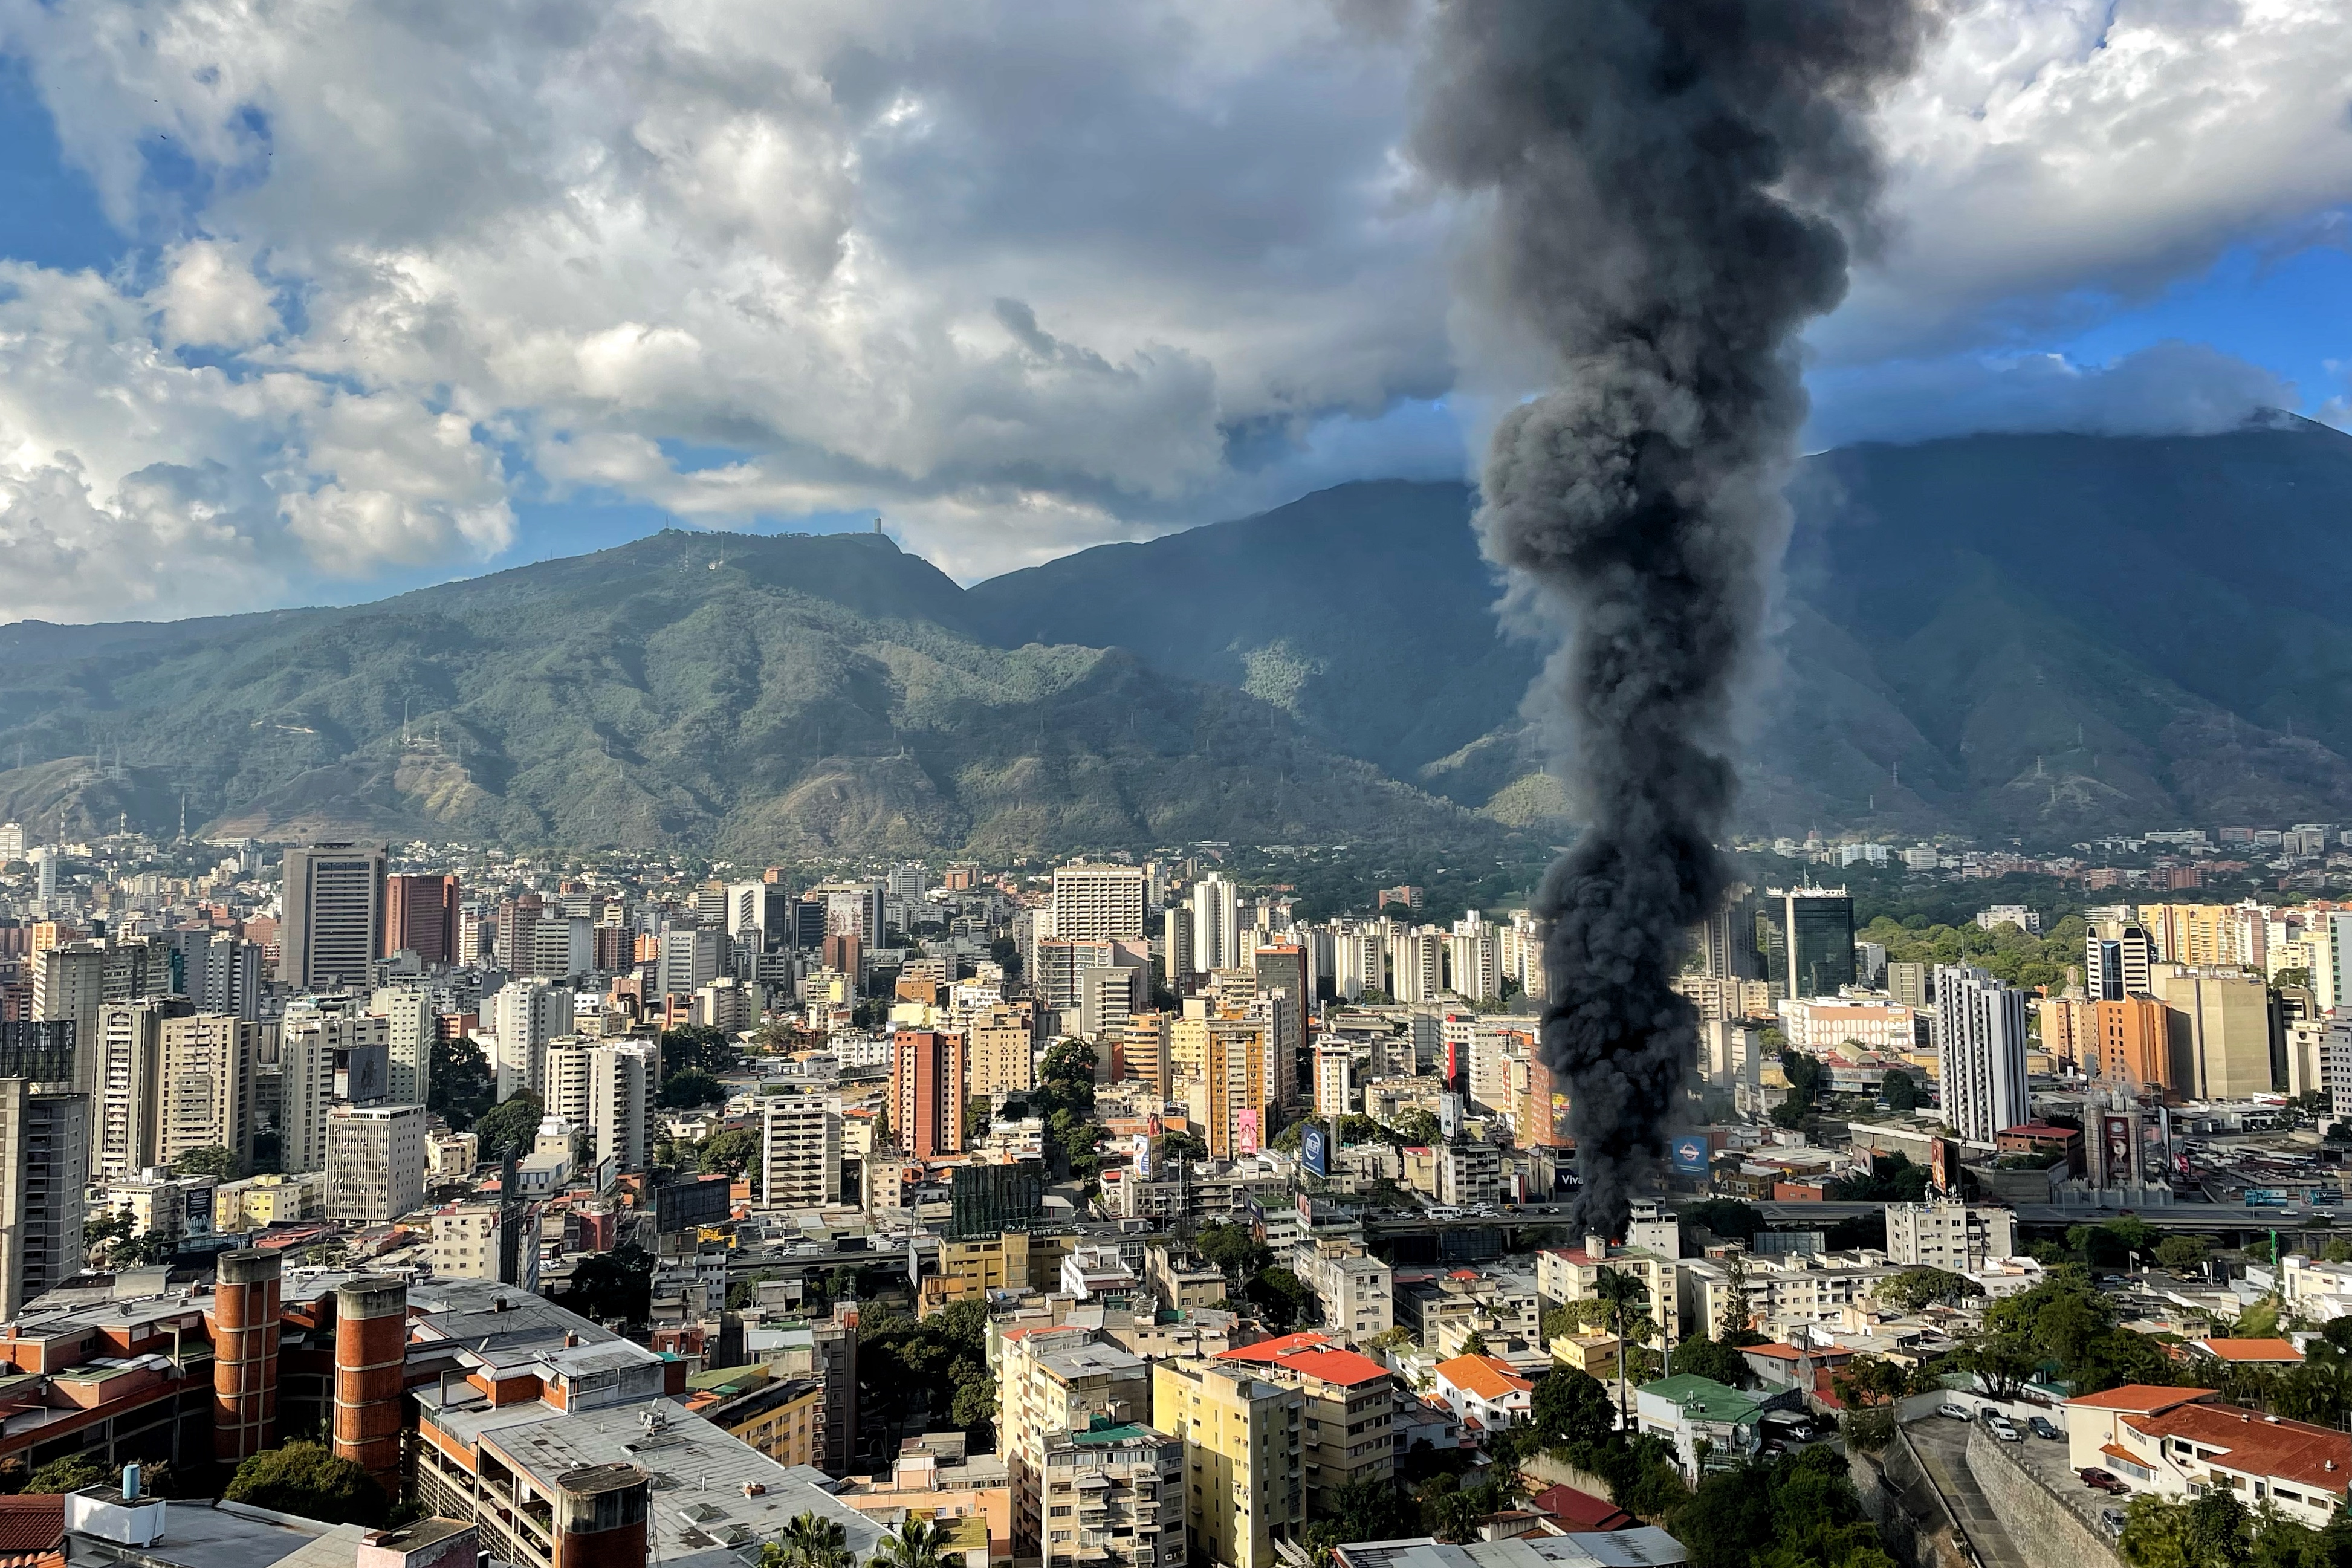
(1120, 1212)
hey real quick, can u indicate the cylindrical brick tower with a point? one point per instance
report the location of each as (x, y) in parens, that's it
(600, 1517)
(371, 1355)
(244, 1353)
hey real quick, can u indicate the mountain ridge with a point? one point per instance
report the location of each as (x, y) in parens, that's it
(2031, 636)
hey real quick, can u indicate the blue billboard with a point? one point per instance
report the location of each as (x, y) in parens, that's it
(1315, 1149)
(1689, 1155)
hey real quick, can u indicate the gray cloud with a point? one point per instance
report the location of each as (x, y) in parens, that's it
(569, 232)
(2167, 388)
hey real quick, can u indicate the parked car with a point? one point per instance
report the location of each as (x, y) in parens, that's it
(2112, 1518)
(2041, 1428)
(2104, 1480)
(1954, 1412)
(2001, 1430)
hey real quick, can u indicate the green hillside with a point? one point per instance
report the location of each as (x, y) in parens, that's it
(2034, 634)
(2028, 635)
(800, 698)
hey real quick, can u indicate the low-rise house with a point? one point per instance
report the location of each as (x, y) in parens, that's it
(1689, 1411)
(1485, 1392)
(2183, 1443)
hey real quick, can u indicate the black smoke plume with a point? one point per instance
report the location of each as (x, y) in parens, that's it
(1672, 186)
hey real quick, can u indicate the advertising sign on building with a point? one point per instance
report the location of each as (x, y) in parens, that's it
(1245, 1132)
(1315, 1149)
(1689, 1155)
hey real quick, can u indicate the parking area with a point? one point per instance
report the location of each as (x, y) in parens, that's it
(2047, 1462)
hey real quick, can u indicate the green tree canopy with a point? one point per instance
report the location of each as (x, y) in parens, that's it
(1916, 1287)
(70, 1474)
(509, 1127)
(693, 1087)
(730, 1153)
(210, 1161)
(616, 1285)
(459, 1083)
(307, 1479)
(698, 1047)
(1712, 1359)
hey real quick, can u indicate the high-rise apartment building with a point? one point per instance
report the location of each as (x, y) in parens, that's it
(1217, 938)
(1335, 1079)
(1001, 1058)
(43, 1172)
(1244, 1455)
(1980, 1049)
(1114, 1498)
(1051, 1380)
(524, 1015)
(325, 1056)
(333, 929)
(2132, 1046)
(1352, 1402)
(689, 959)
(1815, 932)
(375, 1163)
(1095, 902)
(69, 985)
(409, 1031)
(621, 1103)
(1176, 960)
(800, 1149)
(224, 975)
(1221, 1069)
(1959, 1239)
(420, 916)
(1416, 963)
(926, 1091)
(207, 1087)
(2217, 1023)
(130, 1051)
(2116, 959)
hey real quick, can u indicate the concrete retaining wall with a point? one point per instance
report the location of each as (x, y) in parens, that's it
(1554, 1472)
(2045, 1529)
(1904, 1503)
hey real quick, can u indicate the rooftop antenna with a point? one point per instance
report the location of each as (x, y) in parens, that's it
(877, 522)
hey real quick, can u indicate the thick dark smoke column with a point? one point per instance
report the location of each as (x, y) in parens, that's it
(1673, 184)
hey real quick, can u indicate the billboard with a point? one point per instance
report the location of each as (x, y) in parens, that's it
(1315, 1149)
(1246, 1123)
(1449, 1116)
(1143, 1156)
(1939, 1165)
(2123, 1160)
(1688, 1155)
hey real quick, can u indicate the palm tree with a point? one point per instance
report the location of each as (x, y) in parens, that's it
(810, 1542)
(916, 1544)
(1624, 1311)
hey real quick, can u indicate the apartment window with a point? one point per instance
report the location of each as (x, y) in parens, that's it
(1062, 1511)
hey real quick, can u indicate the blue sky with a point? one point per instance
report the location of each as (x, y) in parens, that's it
(293, 313)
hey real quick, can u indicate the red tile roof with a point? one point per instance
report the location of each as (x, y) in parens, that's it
(1776, 1351)
(31, 1525)
(1582, 1512)
(2254, 1445)
(2250, 1350)
(2140, 1399)
(1484, 1375)
(1311, 1355)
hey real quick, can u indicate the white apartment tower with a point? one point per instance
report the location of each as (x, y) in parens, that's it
(407, 1011)
(800, 1151)
(1217, 937)
(1980, 1051)
(1093, 903)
